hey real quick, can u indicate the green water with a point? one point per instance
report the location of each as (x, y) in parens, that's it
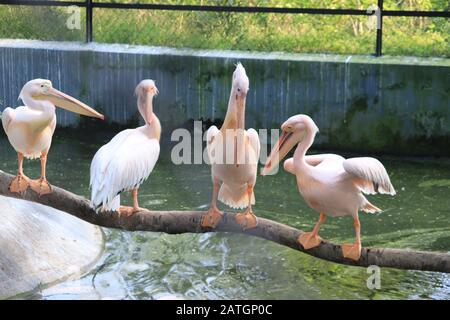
(144, 265)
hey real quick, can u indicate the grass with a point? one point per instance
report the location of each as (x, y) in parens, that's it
(243, 31)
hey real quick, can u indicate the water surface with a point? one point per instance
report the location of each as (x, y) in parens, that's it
(146, 265)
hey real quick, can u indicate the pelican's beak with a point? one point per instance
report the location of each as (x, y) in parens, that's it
(153, 90)
(286, 142)
(69, 103)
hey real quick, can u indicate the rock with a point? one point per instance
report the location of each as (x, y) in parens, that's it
(40, 246)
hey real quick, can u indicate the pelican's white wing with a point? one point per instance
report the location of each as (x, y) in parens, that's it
(327, 164)
(371, 174)
(122, 164)
(7, 116)
(210, 139)
(254, 142)
(317, 159)
(327, 161)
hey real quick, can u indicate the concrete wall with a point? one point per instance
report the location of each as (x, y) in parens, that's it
(364, 104)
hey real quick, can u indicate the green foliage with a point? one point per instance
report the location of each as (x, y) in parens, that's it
(41, 23)
(243, 31)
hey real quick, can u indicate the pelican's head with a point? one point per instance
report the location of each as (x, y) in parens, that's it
(42, 90)
(240, 85)
(145, 91)
(293, 131)
(34, 88)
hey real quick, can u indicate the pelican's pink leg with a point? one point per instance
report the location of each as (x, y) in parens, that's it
(21, 182)
(128, 211)
(212, 218)
(41, 186)
(247, 220)
(311, 239)
(353, 251)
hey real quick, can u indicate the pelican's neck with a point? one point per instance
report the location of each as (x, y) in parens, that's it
(303, 146)
(153, 129)
(39, 105)
(235, 117)
(145, 106)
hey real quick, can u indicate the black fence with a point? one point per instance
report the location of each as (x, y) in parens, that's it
(89, 5)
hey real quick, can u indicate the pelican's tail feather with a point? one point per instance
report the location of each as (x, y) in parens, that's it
(99, 203)
(370, 208)
(235, 197)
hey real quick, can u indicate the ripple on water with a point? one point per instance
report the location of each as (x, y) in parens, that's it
(144, 265)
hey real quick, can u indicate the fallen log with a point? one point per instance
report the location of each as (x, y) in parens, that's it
(176, 222)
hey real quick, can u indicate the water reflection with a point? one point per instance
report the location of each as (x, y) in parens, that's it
(144, 265)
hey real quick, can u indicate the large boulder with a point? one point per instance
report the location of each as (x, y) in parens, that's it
(40, 246)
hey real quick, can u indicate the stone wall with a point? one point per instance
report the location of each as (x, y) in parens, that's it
(360, 103)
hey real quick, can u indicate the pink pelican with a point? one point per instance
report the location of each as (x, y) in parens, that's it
(330, 184)
(125, 162)
(30, 128)
(233, 153)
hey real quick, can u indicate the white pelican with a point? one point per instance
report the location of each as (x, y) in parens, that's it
(234, 154)
(30, 128)
(330, 184)
(125, 162)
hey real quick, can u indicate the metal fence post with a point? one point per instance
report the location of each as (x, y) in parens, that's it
(379, 45)
(88, 21)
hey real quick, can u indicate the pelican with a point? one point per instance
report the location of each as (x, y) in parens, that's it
(330, 184)
(233, 153)
(30, 128)
(125, 162)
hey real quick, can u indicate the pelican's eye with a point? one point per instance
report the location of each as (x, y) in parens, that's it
(239, 89)
(44, 87)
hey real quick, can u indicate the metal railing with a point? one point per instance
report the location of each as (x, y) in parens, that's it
(89, 5)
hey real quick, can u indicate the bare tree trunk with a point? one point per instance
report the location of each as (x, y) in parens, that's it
(175, 222)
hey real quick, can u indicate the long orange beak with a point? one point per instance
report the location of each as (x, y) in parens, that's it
(69, 103)
(281, 149)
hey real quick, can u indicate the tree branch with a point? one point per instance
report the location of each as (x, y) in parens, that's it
(175, 222)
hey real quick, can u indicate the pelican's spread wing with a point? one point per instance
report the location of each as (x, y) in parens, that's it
(253, 138)
(371, 175)
(121, 165)
(210, 139)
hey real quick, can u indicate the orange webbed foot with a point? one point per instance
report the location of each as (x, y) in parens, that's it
(309, 240)
(212, 218)
(247, 220)
(19, 184)
(129, 211)
(41, 186)
(351, 251)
